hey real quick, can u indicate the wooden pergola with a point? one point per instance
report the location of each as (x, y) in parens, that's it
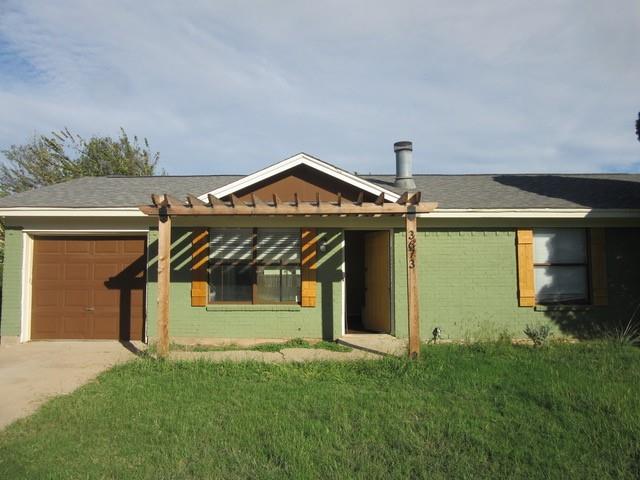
(165, 207)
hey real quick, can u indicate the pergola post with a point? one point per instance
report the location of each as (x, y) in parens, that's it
(412, 283)
(164, 272)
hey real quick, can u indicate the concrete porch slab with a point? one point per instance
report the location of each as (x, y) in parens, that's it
(378, 343)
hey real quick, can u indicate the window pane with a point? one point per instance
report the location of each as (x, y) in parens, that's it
(231, 283)
(560, 245)
(291, 284)
(561, 284)
(278, 284)
(279, 245)
(231, 243)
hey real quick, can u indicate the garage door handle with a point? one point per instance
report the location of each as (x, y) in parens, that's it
(90, 309)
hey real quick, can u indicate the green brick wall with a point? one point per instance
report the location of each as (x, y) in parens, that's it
(11, 284)
(468, 286)
(322, 321)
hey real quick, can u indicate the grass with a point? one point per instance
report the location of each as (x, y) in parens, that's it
(478, 411)
(261, 347)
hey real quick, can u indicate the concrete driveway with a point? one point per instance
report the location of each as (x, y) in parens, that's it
(31, 373)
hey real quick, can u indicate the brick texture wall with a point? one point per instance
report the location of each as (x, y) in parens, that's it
(468, 286)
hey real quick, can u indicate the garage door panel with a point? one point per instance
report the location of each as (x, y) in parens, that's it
(75, 326)
(50, 246)
(77, 246)
(77, 298)
(105, 271)
(106, 298)
(132, 245)
(88, 288)
(48, 325)
(102, 248)
(48, 298)
(137, 298)
(104, 326)
(80, 271)
(47, 271)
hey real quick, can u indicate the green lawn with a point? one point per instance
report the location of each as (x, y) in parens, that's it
(480, 411)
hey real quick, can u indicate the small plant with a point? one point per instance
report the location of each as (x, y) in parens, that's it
(628, 334)
(538, 335)
(436, 334)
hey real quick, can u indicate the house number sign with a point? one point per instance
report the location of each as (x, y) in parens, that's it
(411, 246)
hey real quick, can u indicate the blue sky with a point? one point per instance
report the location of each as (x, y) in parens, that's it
(229, 87)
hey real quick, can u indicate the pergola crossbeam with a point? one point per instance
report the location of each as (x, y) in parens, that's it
(256, 206)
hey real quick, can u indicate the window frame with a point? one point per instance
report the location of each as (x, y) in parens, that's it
(254, 263)
(587, 264)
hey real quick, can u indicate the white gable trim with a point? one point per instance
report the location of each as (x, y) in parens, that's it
(301, 159)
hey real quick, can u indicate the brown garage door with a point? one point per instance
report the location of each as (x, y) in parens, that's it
(88, 288)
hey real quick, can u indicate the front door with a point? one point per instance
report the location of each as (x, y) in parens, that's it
(376, 315)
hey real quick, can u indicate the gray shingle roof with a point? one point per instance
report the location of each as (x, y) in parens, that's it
(115, 191)
(600, 191)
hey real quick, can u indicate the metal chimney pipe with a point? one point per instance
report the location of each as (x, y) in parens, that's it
(404, 161)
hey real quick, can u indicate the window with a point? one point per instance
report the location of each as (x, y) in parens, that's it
(561, 266)
(254, 265)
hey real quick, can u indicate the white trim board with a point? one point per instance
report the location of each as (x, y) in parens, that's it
(530, 213)
(84, 231)
(301, 159)
(27, 274)
(70, 212)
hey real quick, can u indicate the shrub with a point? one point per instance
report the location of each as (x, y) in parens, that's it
(538, 335)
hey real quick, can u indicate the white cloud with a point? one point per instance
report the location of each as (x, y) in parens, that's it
(220, 87)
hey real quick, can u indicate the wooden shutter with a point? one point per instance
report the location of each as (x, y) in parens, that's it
(597, 250)
(308, 266)
(199, 264)
(526, 290)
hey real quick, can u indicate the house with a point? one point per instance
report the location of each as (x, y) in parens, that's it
(303, 248)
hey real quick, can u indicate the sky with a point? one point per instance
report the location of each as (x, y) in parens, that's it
(498, 86)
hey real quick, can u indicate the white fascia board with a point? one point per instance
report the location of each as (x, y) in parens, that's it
(531, 213)
(70, 212)
(301, 159)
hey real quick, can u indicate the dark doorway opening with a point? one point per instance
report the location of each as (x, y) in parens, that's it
(367, 277)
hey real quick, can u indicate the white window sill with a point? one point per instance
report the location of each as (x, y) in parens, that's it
(562, 308)
(253, 308)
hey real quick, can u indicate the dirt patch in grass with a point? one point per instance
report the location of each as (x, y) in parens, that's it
(261, 347)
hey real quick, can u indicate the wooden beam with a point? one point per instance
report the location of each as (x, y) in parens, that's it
(318, 199)
(156, 199)
(296, 202)
(303, 208)
(172, 201)
(258, 202)
(403, 198)
(360, 199)
(276, 200)
(339, 199)
(164, 279)
(215, 201)
(411, 229)
(380, 199)
(193, 201)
